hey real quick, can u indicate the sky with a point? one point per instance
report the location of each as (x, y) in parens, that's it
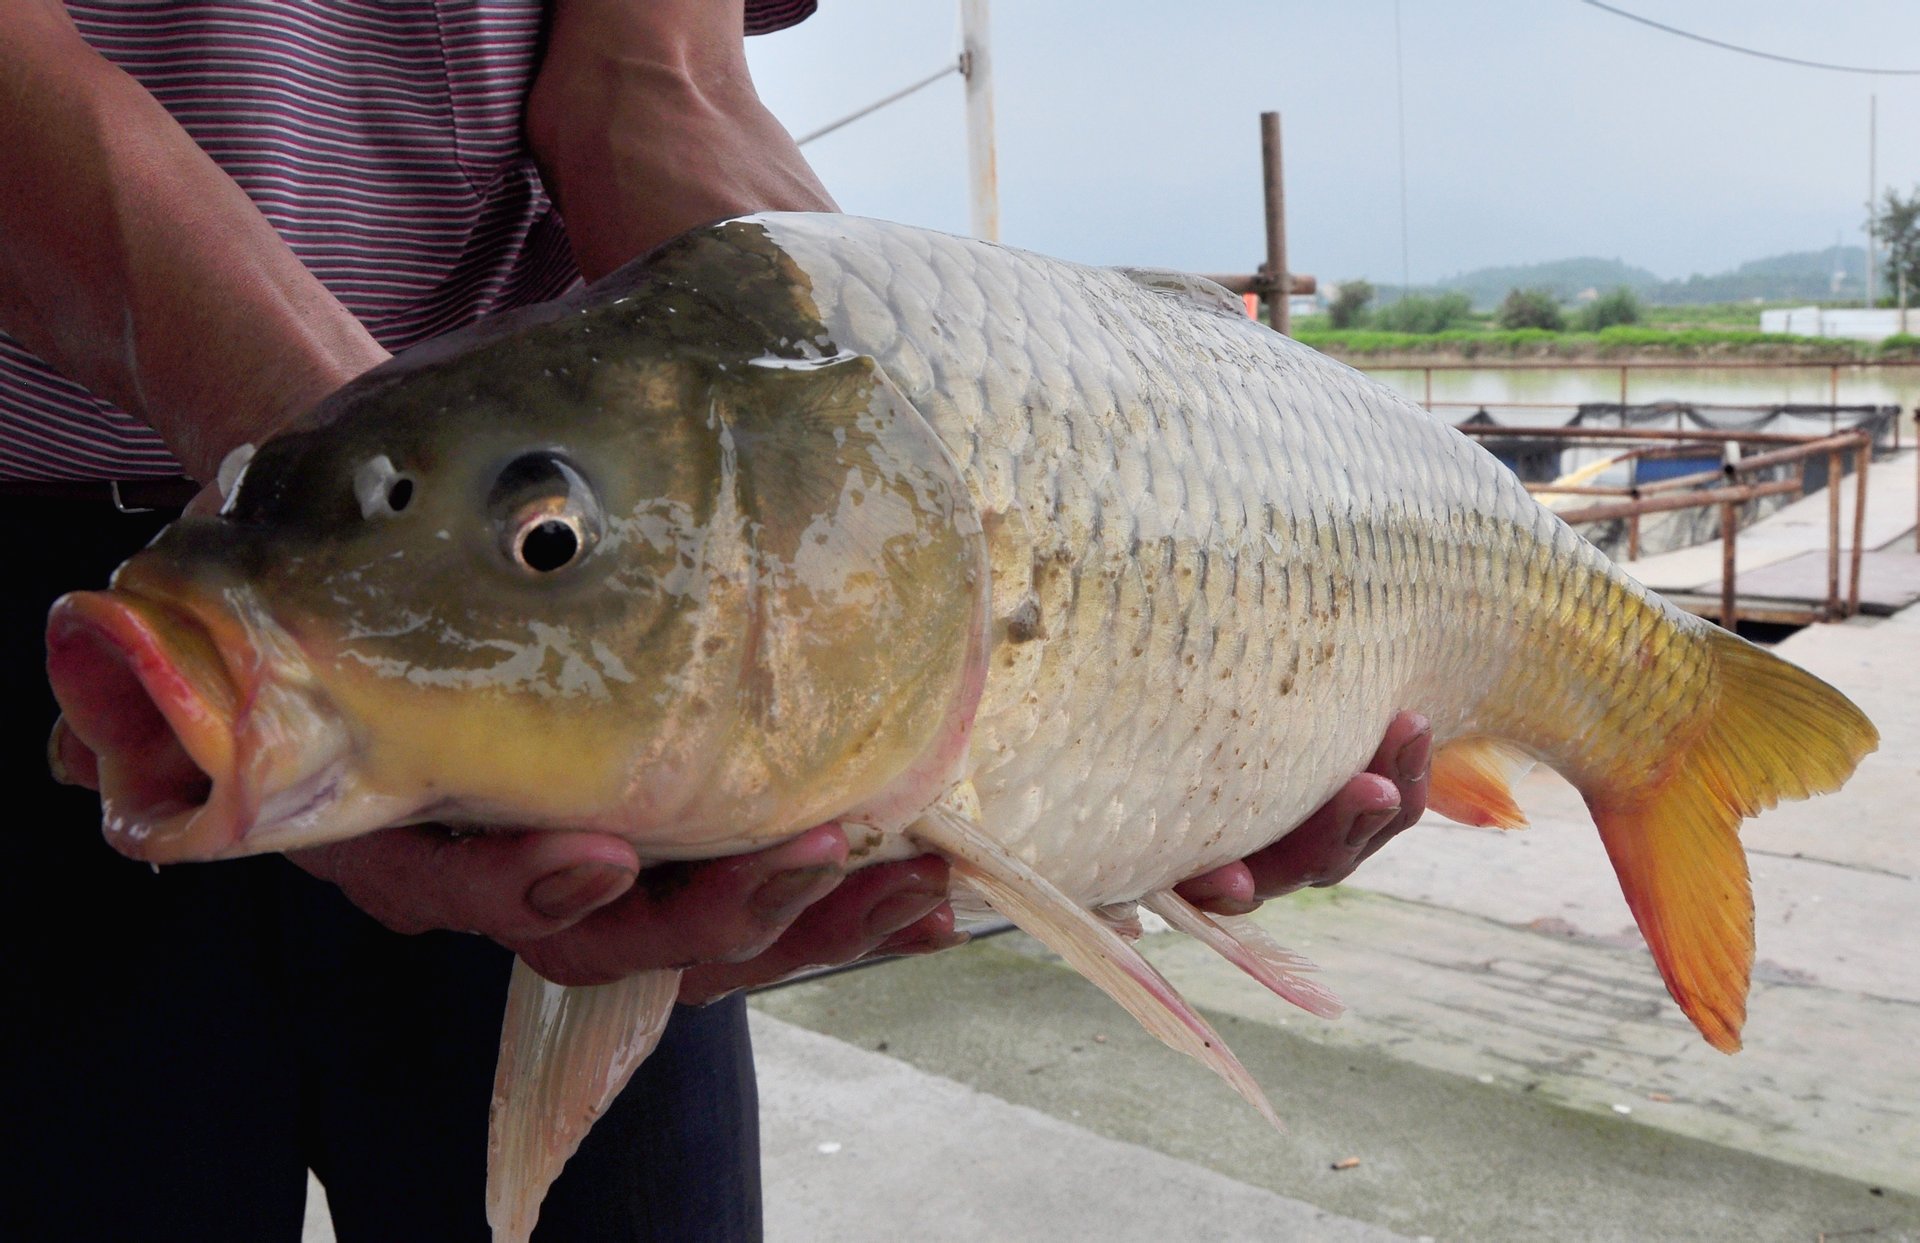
(1128, 130)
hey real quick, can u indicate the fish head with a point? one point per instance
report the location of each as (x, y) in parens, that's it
(630, 565)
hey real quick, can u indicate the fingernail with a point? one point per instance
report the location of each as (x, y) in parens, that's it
(896, 911)
(1365, 826)
(579, 889)
(1411, 763)
(786, 893)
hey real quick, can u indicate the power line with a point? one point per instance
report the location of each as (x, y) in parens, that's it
(1748, 51)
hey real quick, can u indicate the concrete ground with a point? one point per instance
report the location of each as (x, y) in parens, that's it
(1510, 1067)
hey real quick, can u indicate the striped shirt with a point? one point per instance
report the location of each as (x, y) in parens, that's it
(382, 140)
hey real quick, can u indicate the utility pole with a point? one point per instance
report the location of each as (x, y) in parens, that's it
(976, 65)
(1280, 289)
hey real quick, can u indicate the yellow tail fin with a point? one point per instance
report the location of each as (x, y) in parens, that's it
(1773, 732)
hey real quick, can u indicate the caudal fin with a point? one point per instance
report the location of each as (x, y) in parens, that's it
(1772, 732)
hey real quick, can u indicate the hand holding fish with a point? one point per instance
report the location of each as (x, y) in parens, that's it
(579, 910)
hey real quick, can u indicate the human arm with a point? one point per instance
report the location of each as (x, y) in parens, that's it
(141, 270)
(131, 262)
(645, 123)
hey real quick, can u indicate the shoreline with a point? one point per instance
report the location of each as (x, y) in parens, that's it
(1414, 356)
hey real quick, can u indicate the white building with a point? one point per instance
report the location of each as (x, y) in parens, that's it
(1857, 323)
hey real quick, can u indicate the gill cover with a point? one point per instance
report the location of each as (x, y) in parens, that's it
(863, 653)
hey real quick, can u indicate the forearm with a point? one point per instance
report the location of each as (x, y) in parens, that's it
(645, 123)
(133, 264)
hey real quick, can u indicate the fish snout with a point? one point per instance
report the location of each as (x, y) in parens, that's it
(164, 708)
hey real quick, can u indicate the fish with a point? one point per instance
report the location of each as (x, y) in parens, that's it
(1074, 576)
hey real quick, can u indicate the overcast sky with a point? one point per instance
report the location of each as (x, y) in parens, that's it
(1535, 129)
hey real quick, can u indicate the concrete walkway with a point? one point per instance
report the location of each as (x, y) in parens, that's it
(1784, 555)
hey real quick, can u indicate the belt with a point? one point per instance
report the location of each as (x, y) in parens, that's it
(129, 496)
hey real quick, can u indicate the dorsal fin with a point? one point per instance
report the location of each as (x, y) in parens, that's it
(1203, 293)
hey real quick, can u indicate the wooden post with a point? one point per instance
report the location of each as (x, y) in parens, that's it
(1833, 534)
(1279, 284)
(1861, 465)
(1729, 527)
(1633, 537)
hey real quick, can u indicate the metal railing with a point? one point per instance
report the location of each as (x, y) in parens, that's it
(1725, 488)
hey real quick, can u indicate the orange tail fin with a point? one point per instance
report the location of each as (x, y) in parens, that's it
(1773, 732)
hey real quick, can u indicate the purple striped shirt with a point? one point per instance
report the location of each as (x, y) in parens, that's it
(382, 140)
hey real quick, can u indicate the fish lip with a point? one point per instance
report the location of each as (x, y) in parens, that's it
(174, 699)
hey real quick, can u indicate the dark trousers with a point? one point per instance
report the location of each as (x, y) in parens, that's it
(178, 1047)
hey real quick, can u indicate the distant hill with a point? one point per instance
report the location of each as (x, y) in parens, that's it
(1564, 278)
(1804, 276)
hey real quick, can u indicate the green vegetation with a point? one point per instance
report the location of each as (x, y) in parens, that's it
(1350, 306)
(1609, 310)
(1418, 313)
(1897, 225)
(1531, 308)
(1616, 325)
(1619, 341)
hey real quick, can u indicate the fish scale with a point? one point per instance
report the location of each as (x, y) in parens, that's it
(1182, 423)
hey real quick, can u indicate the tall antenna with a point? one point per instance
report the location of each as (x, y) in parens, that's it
(1400, 98)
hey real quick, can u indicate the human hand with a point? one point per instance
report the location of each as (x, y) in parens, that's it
(1364, 815)
(579, 908)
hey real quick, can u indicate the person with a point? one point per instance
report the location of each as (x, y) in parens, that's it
(214, 214)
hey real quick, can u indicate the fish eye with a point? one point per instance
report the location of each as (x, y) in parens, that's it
(547, 515)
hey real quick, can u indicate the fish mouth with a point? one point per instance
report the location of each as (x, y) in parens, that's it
(201, 745)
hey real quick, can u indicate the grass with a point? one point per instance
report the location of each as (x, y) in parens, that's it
(1620, 341)
(1716, 330)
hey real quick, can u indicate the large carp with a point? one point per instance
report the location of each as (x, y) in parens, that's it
(1074, 576)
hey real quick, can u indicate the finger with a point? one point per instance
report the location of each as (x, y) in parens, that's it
(511, 886)
(872, 907)
(1405, 758)
(1227, 890)
(682, 914)
(1327, 845)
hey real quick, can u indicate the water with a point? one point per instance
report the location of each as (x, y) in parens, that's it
(1548, 396)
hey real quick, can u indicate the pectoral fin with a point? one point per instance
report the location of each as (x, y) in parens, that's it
(565, 1053)
(1089, 946)
(1247, 946)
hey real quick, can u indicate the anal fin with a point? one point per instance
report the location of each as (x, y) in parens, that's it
(1247, 946)
(1089, 946)
(565, 1053)
(1473, 782)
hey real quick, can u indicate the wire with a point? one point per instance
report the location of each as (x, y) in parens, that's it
(958, 66)
(1747, 51)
